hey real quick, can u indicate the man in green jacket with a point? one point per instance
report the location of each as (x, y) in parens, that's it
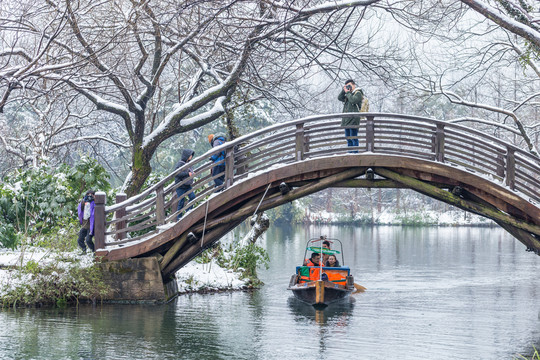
(352, 102)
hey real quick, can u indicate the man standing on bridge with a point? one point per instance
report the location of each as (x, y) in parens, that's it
(352, 98)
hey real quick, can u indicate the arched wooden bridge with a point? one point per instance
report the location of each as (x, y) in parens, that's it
(452, 163)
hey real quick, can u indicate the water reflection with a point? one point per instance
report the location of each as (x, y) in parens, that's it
(337, 313)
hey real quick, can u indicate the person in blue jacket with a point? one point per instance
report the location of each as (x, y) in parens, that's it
(187, 155)
(217, 140)
(86, 219)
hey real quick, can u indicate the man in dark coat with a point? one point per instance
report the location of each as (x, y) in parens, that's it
(187, 155)
(352, 97)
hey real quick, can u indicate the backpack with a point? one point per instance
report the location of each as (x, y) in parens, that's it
(365, 103)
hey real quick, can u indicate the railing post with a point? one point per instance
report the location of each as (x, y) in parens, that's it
(439, 143)
(370, 134)
(160, 206)
(120, 213)
(229, 167)
(500, 165)
(510, 168)
(99, 219)
(299, 149)
(241, 159)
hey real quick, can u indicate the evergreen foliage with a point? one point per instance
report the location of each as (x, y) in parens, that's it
(42, 201)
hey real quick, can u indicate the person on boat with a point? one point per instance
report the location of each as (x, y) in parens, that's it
(314, 260)
(325, 245)
(332, 261)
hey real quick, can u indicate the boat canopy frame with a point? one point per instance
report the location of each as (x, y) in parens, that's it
(322, 250)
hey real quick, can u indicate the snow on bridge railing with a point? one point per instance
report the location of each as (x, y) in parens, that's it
(139, 217)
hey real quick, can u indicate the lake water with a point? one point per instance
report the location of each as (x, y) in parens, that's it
(433, 293)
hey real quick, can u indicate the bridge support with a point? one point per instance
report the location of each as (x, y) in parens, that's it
(137, 280)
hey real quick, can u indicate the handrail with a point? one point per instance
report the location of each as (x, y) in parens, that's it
(381, 133)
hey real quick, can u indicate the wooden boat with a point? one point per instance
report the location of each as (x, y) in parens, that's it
(321, 285)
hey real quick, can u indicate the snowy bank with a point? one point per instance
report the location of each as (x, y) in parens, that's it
(193, 277)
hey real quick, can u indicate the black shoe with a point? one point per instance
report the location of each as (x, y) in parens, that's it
(83, 252)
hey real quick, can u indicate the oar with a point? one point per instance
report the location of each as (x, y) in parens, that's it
(359, 288)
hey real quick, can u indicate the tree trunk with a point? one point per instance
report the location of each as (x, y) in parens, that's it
(141, 169)
(329, 201)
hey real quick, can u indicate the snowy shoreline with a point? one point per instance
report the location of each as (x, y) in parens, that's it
(390, 218)
(192, 278)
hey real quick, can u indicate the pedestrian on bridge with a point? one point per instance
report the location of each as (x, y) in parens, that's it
(352, 99)
(215, 141)
(86, 219)
(187, 155)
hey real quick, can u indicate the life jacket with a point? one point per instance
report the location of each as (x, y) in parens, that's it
(309, 272)
(337, 277)
(314, 273)
(314, 270)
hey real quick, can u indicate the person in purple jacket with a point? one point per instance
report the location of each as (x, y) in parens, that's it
(86, 219)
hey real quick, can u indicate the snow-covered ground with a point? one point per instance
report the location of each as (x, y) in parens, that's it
(207, 277)
(193, 277)
(9, 259)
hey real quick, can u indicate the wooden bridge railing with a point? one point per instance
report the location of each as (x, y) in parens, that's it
(139, 217)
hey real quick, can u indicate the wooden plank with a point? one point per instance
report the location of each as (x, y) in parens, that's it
(133, 239)
(229, 167)
(151, 221)
(470, 141)
(440, 143)
(269, 140)
(370, 134)
(171, 253)
(299, 145)
(160, 206)
(458, 136)
(120, 213)
(476, 160)
(397, 123)
(100, 200)
(510, 169)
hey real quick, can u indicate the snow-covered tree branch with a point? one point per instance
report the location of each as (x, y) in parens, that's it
(195, 55)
